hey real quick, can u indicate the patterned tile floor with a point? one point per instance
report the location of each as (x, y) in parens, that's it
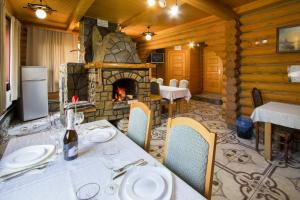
(240, 171)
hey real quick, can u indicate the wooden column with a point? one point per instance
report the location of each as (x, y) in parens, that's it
(230, 73)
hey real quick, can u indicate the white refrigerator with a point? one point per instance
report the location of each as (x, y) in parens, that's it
(34, 102)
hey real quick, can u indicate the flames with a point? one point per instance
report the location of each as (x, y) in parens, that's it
(120, 94)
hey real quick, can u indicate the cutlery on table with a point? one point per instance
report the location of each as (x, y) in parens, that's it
(124, 172)
(21, 172)
(128, 165)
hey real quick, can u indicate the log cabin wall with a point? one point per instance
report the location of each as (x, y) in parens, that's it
(261, 66)
(221, 37)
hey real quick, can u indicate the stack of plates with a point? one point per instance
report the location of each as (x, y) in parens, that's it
(147, 183)
(26, 158)
(99, 135)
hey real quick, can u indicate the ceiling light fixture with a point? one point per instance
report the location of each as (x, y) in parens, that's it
(162, 3)
(174, 10)
(151, 3)
(41, 10)
(191, 44)
(148, 34)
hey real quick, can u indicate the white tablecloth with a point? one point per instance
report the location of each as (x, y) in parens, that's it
(61, 179)
(283, 114)
(173, 93)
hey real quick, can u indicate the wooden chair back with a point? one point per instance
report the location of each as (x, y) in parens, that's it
(148, 113)
(256, 97)
(210, 138)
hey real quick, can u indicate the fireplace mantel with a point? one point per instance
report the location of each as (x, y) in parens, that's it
(99, 65)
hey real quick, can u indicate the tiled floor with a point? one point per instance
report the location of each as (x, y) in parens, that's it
(240, 171)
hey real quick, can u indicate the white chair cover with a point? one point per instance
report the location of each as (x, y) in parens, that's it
(173, 83)
(183, 84)
(153, 80)
(160, 81)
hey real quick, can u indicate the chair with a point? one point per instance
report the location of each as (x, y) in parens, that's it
(140, 123)
(183, 84)
(257, 101)
(173, 83)
(190, 152)
(154, 88)
(160, 81)
(285, 138)
(153, 80)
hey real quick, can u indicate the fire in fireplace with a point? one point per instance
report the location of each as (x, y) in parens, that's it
(125, 89)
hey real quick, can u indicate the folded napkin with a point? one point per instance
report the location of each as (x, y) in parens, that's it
(80, 104)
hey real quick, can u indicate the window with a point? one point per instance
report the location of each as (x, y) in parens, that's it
(7, 51)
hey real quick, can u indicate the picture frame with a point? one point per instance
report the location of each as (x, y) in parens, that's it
(288, 39)
(294, 73)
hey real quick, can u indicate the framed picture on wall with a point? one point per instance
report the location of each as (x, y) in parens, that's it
(294, 73)
(288, 39)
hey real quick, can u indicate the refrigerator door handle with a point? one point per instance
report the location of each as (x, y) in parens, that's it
(34, 80)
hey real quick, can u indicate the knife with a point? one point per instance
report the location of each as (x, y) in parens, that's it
(124, 172)
(128, 165)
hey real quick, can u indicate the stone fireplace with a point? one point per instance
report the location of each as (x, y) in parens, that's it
(114, 86)
(115, 75)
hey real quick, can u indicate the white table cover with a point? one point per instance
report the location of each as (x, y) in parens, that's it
(283, 114)
(61, 179)
(173, 93)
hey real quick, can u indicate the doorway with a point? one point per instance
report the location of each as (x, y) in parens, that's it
(212, 72)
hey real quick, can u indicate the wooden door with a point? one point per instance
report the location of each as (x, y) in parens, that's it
(213, 70)
(176, 65)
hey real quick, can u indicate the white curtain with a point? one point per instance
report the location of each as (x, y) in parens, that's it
(50, 49)
(2, 58)
(15, 60)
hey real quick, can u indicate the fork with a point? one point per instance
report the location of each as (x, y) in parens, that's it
(20, 173)
(128, 165)
(124, 172)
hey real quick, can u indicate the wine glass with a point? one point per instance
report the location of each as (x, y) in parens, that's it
(88, 191)
(111, 187)
(78, 118)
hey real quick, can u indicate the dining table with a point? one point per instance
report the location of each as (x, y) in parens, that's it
(283, 114)
(172, 94)
(61, 179)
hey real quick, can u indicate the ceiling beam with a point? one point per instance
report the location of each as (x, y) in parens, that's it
(213, 7)
(79, 12)
(148, 12)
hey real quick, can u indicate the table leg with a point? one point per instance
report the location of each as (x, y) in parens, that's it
(170, 109)
(268, 141)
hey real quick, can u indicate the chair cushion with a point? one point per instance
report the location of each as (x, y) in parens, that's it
(137, 127)
(187, 156)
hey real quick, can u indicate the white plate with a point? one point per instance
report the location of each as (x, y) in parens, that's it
(147, 183)
(146, 186)
(101, 135)
(27, 156)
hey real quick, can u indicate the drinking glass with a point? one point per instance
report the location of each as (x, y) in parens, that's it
(78, 118)
(88, 191)
(111, 187)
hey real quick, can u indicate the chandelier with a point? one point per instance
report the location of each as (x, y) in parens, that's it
(41, 10)
(148, 34)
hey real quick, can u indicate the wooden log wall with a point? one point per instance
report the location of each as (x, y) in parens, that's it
(220, 37)
(261, 65)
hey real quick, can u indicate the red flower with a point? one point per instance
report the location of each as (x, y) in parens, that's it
(75, 99)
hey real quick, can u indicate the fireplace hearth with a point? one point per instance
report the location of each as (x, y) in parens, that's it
(125, 89)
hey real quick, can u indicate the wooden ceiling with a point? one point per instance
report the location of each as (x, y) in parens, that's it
(133, 15)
